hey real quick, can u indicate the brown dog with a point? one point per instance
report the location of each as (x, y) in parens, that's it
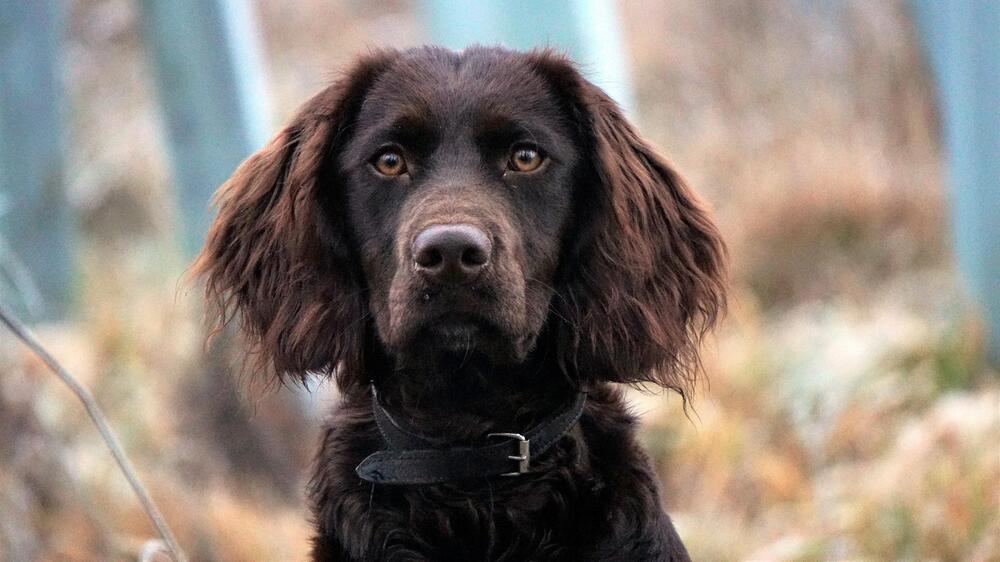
(484, 239)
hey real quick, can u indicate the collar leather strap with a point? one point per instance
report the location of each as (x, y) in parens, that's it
(412, 459)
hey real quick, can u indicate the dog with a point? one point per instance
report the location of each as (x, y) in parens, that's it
(480, 249)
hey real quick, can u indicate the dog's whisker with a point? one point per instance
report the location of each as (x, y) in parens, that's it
(551, 308)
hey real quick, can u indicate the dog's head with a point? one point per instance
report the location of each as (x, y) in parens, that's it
(435, 204)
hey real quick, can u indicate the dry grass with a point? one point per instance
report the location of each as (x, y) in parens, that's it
(835, 431)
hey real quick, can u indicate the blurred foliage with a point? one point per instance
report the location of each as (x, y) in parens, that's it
(847, 410)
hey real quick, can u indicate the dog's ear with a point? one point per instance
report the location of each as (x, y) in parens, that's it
(275, 257)
(649, 277)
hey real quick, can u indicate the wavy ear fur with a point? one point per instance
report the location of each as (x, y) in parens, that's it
(649, 279)
(275, 256)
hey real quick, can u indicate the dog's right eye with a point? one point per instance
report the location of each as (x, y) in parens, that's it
(389, 162)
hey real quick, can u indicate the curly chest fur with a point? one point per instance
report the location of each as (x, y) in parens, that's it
(495, 519)
(581, 502)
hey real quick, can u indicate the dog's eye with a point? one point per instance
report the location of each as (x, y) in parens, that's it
(389, 162)
(525, 158)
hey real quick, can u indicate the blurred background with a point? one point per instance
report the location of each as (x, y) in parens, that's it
(850, 407)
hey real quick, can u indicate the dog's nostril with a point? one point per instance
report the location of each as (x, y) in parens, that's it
(429, 258)
(474, 256)
(451, 253)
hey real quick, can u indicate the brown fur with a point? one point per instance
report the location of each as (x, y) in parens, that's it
(617, 285)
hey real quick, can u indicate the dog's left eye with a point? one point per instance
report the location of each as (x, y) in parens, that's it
(525, 158)
(389, 162)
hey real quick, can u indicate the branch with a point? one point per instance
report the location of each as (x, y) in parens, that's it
(25, 335)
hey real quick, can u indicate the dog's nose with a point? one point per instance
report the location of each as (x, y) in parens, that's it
(451, 254)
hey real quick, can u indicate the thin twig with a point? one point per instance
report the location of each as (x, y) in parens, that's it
(25, 335)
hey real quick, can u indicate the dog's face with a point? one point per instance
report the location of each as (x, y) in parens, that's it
(460, 182)
(433, 204)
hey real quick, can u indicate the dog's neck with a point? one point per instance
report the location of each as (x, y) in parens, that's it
(458, 398)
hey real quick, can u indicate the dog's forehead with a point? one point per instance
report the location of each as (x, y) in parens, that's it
(439, 84)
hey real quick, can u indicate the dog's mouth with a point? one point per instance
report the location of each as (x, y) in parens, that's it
(429, 322)
(446, 325)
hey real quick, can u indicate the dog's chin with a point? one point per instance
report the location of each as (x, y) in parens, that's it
(457, 336)
(458, 339)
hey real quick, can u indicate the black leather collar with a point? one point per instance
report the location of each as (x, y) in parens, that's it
(412, 459)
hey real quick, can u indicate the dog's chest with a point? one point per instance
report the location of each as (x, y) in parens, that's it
(522, 518)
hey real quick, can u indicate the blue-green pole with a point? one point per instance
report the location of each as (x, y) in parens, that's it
(210, 84)
(36, 265)
(962, 40)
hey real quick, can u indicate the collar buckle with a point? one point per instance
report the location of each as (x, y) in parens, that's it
(523, 456)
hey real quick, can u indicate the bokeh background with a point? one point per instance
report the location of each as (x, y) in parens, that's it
(849, 408)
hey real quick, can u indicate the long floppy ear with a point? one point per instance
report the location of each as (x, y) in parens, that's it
(650, 276)
(275, 256)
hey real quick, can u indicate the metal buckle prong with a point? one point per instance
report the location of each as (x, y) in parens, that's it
(523, 456)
